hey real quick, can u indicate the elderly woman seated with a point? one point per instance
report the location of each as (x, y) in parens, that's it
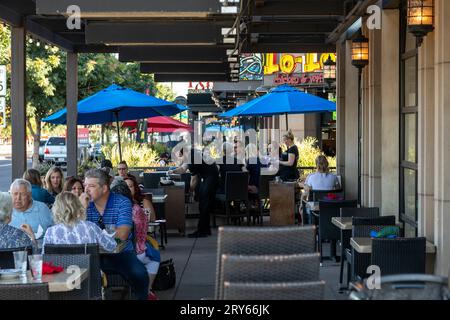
(321, 180)
(11, 237)
(71, 225)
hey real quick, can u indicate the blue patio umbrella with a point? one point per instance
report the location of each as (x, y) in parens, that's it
(282, 100)
(115, 104)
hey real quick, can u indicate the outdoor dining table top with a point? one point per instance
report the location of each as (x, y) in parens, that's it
(364, 245)
(345, 223)
(57, 282)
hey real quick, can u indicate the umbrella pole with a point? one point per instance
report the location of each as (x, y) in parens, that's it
(118, 136)
(287, 122)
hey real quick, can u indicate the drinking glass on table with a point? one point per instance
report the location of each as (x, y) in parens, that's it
(35, 261)
(20, 261)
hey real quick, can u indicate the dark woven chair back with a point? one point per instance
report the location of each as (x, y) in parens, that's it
(33, 291)
(410, 287)
(363, 226)
(94, 272)
(270, 268)
(360, 212)
(274, 291)
(236, 186)
(317, 195)
(264, 186)
(152, 179)
(328, 210)
(399, 256)
(66, 260)
(7, 256)
(262, 241)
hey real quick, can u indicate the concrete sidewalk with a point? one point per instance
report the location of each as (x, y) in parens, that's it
(6, 150)
(195, 266)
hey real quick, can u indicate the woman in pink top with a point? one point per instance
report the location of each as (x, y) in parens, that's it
(140, 220)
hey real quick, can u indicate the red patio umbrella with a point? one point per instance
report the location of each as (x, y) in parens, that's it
(160, 124)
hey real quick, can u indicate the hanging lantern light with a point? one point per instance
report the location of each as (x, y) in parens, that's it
(420, 18)
(360, 52)
(329, 71)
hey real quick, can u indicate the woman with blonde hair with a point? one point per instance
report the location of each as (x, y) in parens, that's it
(54, 181)
(322, 179)
(289, 159)
(71, 226)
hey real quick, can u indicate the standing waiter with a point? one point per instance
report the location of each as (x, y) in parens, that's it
(204, 180)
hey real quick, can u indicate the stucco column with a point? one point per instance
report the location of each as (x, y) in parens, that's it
(425, 183)
(442, 136)
(373, 121)
(351, 125)
(340, 108)
(390, 110)
(72, 113)
(18, 102)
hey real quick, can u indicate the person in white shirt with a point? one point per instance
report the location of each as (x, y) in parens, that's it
(320, 180)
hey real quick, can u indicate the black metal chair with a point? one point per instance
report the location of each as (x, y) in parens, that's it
(316, 196)
(399, 256)
(7, 256)
(186, 178)
(66, 260)
(263, 195)
(236, 190)
(32, 291)
(152, 179)
(95, 290)
(327, 230)
(361, 229)
(346, 234)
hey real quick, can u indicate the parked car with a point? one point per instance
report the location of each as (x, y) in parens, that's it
(55, 151)
(41, 149)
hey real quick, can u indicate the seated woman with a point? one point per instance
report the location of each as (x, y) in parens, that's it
(54, 181)
(320, 180)
(38, 193)
(11, 237)
(74, 185)
(71, 226)
(140, 222)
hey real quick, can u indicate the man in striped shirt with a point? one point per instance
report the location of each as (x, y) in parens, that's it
(113, 213)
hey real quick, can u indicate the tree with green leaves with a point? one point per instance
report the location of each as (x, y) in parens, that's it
(46, 80)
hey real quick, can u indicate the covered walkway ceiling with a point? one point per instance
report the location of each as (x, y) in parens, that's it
(181, 40)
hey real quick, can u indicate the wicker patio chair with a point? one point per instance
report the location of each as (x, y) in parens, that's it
(262, 241)
(346, 234)
(405, 287)
(92, 249)
(67, 260)
(32, 291)
(274, 291)
(399, 256)
(362, 228)
(327, 230)
(7, 256)
(270, 268)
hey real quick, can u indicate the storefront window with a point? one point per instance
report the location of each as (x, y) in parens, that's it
(408, 130)
(410, 137)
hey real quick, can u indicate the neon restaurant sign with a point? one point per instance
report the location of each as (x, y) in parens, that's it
(287, 68)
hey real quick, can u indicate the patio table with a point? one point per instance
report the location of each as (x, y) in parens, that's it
(57, 282)
(364, 245)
